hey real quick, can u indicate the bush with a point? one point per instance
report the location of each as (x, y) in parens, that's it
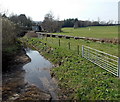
(8, 32)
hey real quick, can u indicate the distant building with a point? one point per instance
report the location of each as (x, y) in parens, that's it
(36, 28)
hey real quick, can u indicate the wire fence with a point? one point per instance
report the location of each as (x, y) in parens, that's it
(68, 44)
(104, 60)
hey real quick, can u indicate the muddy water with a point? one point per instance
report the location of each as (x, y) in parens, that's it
(38, 73)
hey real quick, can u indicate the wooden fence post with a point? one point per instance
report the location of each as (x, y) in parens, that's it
(78, 49)
(69, 45)
(46, 37)
(42, 37)
(59, 42)
(52, 39)
(38, 35)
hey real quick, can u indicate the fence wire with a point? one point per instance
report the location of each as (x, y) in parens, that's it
(102, 59)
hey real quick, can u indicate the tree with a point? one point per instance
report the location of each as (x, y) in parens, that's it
(50, 24)
(22, 20)
(69, 22)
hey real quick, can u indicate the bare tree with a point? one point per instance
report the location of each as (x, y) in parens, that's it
(50, 24)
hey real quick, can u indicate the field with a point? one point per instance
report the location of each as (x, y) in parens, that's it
(78, 78)
(94, 32)
(106, 47)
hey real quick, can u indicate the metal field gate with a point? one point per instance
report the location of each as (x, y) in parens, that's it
(104, 60)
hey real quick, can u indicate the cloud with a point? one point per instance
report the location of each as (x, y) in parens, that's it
(83, 9)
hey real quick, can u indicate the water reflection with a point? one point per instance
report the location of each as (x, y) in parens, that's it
(37, 72)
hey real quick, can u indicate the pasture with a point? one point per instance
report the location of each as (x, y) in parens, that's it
(77, 77)
(93, 31)
(106, 47)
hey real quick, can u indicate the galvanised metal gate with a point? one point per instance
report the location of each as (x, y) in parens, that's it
(104, 60)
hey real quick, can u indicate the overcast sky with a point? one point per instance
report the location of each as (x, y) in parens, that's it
(81, 9)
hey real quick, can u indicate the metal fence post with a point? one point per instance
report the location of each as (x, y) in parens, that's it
(82, 51)
(119, 67)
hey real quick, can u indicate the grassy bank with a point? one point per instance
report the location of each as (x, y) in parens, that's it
(93, 31)
(77, 77)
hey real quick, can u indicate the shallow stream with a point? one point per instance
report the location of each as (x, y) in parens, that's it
(37, 72)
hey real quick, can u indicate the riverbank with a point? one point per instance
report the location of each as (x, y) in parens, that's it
(14, 87)
(78, 79)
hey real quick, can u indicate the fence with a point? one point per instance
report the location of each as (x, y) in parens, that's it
(106, 61)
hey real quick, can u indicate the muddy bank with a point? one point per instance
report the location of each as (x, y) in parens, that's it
(11, 62)
(14, 87)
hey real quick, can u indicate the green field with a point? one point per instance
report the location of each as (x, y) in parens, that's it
(106, 47)
(77, 77)
(94, 32)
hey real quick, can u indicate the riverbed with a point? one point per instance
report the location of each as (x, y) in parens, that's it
(31, 81)
(38, 72)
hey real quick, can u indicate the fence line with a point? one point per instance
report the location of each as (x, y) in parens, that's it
(104, 60)
(69, 45)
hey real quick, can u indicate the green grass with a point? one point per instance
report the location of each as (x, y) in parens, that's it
(94, 32)
(106, 47)
(77, 77)
(11, 49)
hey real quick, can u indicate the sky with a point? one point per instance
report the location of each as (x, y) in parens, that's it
(105, 10)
